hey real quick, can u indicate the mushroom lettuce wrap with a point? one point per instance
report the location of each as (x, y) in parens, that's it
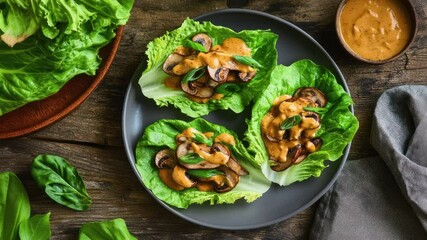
(185, 163)
(301, 120)
(200, 67)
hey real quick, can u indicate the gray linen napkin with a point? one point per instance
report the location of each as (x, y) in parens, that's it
(383, 197)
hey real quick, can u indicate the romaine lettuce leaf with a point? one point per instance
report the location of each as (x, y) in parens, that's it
(263, 49)
(72, 32)
(338, 124)
(162, 133)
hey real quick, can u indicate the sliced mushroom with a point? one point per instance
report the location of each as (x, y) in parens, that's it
(193, 90)
(310, 120)
(179, 175)
(218, 74)
(173, 60)
(219, 149)
(231, 180)
(291, 157)
(317, 142)
(236, 167)
(313, 94)
(184, 148)
(165, 175)
(313, 115)
(218, 180)
(246, 76)
(165, 158)
(300, 158)
(213, 83)
(271, 139)
(217, 154)
(200, 165)
(203, 39)
(205, 186)
(205, 92)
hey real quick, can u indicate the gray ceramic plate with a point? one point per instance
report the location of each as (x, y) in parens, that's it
(279, 203)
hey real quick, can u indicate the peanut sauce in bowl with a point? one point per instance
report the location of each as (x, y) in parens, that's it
(376, 31)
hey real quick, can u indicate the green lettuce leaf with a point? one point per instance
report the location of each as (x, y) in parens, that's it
(35, 228)
(14, 205)
(162, 133)
(106, 230)
(338, 126)
(60, 181)
(263, 49)
(64, 43)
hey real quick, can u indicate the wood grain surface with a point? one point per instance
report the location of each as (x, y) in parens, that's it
(90, 137)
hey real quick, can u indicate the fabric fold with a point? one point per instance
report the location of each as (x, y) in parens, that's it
(399, 134)
(385, 196)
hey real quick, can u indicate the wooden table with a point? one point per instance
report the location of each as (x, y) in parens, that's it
(90, 137)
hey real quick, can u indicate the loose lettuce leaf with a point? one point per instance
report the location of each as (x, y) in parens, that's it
(64, 43)
(61, 181)
(106, 230)
(14, 205)
(338, 124)
(35, 228)
(263, 49)
(161, 135)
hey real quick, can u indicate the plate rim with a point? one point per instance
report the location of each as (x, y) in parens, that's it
(176, 211)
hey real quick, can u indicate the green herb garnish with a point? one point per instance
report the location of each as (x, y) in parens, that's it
(194, 74)
(204, 173)
(202, 139)
(194, 45)
(191, 158)
(60, 181)
(247, 60)
(290, 122)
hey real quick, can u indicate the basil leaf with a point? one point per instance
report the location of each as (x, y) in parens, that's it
(204, 173)
(247, 61)
(194, 74)
(14, 205)
(35, 228)
(61, 181)
(106, 230)
(191, 158)
(202, 139)
(319, 110)
(226, 88)
(290, 122)
(194, 45)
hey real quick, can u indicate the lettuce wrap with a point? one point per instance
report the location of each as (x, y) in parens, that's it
(162, 134)
(263, 49)
(44, 44)
(338, 124)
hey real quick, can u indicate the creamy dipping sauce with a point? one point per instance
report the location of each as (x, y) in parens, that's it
(375, 29)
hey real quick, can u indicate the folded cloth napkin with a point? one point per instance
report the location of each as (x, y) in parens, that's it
(383, 197)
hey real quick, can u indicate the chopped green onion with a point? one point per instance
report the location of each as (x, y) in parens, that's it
(194, 45)
(202, 139)
(194, 74)
(204, 173)
(191, 158)
(247, 60)
(290, 122)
